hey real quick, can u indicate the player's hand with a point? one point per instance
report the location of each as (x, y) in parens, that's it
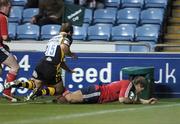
(152, 101)
(8, 39)
(63, 33)
(74, 56)
(73, 71)
(33, 20)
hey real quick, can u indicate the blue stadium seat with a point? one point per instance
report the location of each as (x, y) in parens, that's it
(16, 14)
(156, 3)
(88, 16)
(28, 31)
(18, 2)
(48, 31)
(99, 32)
(123, 32)
(104, 16)
(147, 32)
(12, 30)
(80, 33)
(29, 13)
(128, 15)
(152, 16)
(132, 3)
(113, 3)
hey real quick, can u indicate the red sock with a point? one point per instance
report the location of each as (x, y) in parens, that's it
(10, 77)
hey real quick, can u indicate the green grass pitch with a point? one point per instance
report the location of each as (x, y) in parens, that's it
(166, 111)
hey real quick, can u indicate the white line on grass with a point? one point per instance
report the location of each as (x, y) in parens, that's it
(18, 104)
(5, 104)
(78, 115)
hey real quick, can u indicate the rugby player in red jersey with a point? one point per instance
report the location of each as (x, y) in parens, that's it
(6, 57)
(124, 91)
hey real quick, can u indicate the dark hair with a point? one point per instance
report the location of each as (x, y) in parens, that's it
(4, 3)
(0, 70)
(139, 80)
(67, 27)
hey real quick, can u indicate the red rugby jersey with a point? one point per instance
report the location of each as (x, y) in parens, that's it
(3, 26)
(112, 92)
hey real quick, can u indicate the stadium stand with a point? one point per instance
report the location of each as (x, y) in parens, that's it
(139, 48)
(112, 3)
(16, 14)
(119, 21)
(28, 31)
(172, 34)
(12, 28)
(152, 16)
(88, 16)
(69, 1)
(28, 14)
(123, 48)
(128, 15)
(123, 32)
(99, 32)
(80, 33)
(147, 32)
(104, 16)
(156, 3)
(18, 2)
(48, 31)
(133, 3)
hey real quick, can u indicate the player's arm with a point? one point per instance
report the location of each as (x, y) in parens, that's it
(149, 101)
(66, 47)
(137, 100)
(127, 97)
(4, 29)
(66, 68)
(125, 100)
(124, 97)
(67, 51)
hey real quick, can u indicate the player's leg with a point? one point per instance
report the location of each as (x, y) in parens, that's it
(36, 82)
(52, 79)
(11, 62)
(69, 97)
(74, 97)
(35, 85)
(85, 95)
(29, 84)
(46, 74)
(51, 90)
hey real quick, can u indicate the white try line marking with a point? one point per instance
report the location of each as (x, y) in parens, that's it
(7, 104)
(79, 115)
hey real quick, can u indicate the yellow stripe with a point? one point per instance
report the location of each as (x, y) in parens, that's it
(62, 55)
(44, 92)
(61, 40)
(51, 90)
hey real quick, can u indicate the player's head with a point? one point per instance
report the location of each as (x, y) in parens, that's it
(67, 28)
(5, 6)
(139, 83)
(67, 31)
